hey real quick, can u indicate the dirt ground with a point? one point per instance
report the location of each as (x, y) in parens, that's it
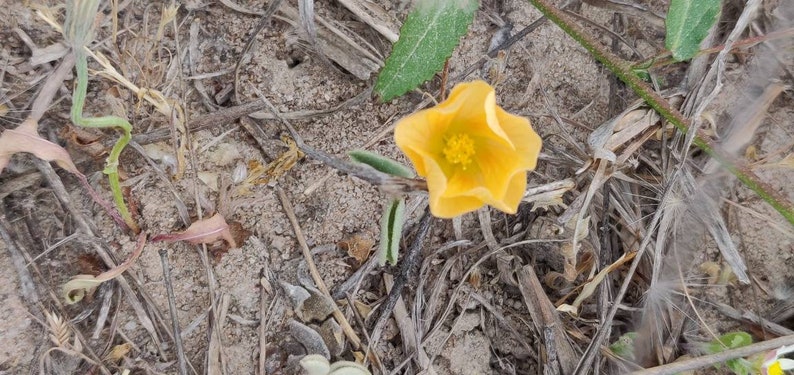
(239, 309)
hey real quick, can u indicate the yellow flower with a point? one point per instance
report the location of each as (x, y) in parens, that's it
(774, 365)
(470, 150)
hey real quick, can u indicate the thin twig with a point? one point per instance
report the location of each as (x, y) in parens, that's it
(712, 359)
(387, 182)
(407, 265)
(318, 280)
(169, 288)
(623, 70)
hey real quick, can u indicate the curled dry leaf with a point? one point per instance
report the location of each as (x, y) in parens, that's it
(25, 138)
(260, 175)
(548, 195)
(74, 290)
(203, 231)
(589, 288)
(358, 246)
(118, 353)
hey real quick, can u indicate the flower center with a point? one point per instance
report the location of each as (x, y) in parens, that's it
(775, 369)
(459, 149)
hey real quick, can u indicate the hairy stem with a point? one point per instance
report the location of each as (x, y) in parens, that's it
(623, 70)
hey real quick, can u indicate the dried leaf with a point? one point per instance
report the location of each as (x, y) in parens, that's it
(548, 195)
(118, 352)
(590, 286)
(74, 290)
(25, 138)
(787, 162)
(357, 246)
(259, 175)
(203, 231)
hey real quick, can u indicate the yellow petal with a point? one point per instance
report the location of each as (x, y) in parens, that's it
(447, 206)
(520, 132)
(476, 112)
(419, 136)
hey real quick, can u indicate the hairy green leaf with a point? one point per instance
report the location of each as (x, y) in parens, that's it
(624, 346)
(391, 228)
(428, 36)
(732, 340)
(381, 163)
(688, 23)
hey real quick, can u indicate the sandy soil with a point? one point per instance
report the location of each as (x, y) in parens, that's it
(221, 294)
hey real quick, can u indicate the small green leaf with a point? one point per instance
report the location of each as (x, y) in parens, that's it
(391, 228)
(623, 347)
(643, 74)
(427, 38)
(381, 163)
(740, 366)
(688, 23)
(731, 340)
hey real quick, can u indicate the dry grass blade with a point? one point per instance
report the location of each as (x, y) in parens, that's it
(306, 15)
(169, 288)
(315, 273)
(338, 46)
(590, 286)
(375, 17)
(408, 330)
(560, 356)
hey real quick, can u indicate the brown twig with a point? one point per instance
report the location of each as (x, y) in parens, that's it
(407, 265)
(318, 280)
(559, 352)
(387, 182)
(713, 359)
(169, 288)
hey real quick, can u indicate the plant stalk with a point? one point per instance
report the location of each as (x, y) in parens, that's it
(623, 70)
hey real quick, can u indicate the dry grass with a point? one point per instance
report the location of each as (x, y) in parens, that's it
(621, 186)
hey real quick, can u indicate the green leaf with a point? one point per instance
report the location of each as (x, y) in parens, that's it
(740, 366)
(381, 163)
(427, 38)
(688, 23)
(624, 346)
(391, 228)
(732, 340)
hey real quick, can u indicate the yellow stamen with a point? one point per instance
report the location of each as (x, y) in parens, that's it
(775, 369)
(459, 149)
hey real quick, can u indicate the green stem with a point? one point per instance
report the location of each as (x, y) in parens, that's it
(111, 168)
(623, 70)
